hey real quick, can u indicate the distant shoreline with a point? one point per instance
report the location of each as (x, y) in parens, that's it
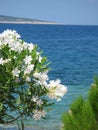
(23, 22)
(43, 23)
(18, 20)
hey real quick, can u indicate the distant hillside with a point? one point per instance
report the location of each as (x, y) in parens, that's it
(9, 19)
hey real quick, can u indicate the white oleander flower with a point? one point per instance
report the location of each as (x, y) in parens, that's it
(41, 76)
(11, 38)
(38, 101)
(56, 90)
(25, 45)
(40, 59)
(28, 79)
(6, 41)
(38, 114)
(10, 34)
(16, 46)
(34, 98)
(2, 62)
(30, 47)
(28, 59)
(16, 72)
(0, 43)
(28, 69)
(7, 60)
(37, 53)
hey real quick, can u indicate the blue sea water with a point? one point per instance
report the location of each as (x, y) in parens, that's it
(73, 52)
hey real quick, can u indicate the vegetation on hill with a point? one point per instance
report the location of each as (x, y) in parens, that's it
(9, 19)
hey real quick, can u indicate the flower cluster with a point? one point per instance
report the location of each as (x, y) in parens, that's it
(24, 81)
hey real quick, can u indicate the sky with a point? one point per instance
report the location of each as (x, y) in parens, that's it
(74, 12)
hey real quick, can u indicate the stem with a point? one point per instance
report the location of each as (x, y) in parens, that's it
(13, 119)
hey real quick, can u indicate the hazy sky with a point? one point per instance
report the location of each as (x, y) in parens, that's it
(62, 11)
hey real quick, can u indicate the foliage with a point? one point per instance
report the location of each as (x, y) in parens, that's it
(25, 89)
(83, 114)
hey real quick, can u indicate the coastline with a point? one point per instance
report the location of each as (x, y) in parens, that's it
(24, 22)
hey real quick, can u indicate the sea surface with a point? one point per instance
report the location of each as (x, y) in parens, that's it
(73, 52)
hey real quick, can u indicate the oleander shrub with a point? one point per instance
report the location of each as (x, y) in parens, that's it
(25, 88)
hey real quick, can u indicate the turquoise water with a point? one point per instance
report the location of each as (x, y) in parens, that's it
(73, 52)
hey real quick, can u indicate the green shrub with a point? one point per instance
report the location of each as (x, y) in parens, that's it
(83, 114)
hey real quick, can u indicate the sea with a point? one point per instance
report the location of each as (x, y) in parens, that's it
(73, 53)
